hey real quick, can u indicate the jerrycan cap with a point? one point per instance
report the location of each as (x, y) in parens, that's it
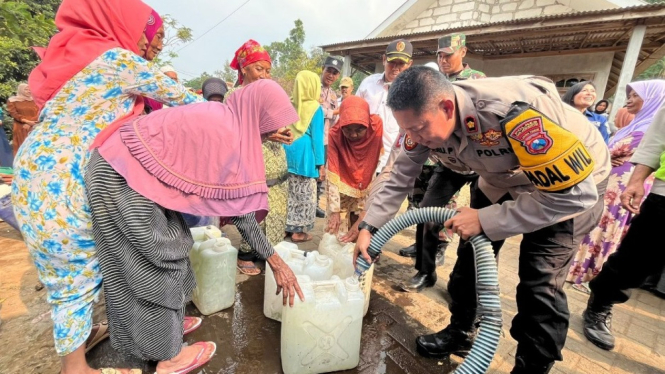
(351, 284)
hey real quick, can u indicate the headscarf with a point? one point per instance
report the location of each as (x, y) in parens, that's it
(214, 86)
(168, 69)
(305, 98)
(595, 108)
(249, 53)
(569, 96)
(623, 118)
(86, 30)
(351, 165)
(21, 95)
(652, 92)
(153, 25)
(204, 158)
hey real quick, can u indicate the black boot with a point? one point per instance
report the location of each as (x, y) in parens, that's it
(597, 325)
(409, 251)
(320, 213)
(419, 281)
(524, 366)
(451, 340)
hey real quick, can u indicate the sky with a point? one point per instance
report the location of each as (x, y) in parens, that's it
(266, 21)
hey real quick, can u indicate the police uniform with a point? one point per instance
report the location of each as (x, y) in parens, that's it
(549, 165)
(438, 186)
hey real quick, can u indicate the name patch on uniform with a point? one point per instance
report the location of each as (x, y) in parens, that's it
(553, 158)
(409, 144)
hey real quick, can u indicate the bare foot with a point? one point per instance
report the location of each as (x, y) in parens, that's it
(185, 358)
(299, 237)
(248, 268)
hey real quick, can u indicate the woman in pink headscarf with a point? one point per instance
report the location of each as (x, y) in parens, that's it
(151, 169)
(154, 32)
(91, 76)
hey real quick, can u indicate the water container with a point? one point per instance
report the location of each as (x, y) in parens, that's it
(322, 334)
(214, 265)
(312, 264)
(203, 233)
(343, 266)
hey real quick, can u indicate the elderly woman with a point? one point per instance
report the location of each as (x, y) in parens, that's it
(253, 64)
(305, 157)
(644, 99)
(91, 75)
(147, 172)
(155, 33)
(582, 96)
(354, 148)
(25, 112)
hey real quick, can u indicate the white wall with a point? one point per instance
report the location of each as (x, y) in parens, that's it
(597, 63)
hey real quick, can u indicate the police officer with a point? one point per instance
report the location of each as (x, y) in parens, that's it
(438, 186)
(542, 168)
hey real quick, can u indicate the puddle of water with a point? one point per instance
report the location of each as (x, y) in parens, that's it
(248, 342)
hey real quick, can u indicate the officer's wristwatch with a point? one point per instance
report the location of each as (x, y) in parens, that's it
(364, 225)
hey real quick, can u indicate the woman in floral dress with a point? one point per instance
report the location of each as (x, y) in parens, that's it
(644, 99)
(91, 76)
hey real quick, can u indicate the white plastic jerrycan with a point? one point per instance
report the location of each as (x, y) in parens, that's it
(214, 265)
(322, 334)
(203, 233)
(317, 267)
(343, 266)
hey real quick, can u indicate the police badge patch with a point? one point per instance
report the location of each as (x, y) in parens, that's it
(532, 135)
(470, 124)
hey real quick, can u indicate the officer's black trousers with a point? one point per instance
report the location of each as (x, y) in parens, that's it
(443, 185)
(639, 256)
(541, 323)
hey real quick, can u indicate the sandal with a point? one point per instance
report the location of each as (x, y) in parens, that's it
(582, 287)
(199, 360)
(101, 334)
(308, 237)
(248, 268)
(116, 371)
(190, 324)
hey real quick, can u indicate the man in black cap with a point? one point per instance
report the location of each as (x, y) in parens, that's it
(329, 75)
(374, 89)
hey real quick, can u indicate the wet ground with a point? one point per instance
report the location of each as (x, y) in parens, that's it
(248, 342)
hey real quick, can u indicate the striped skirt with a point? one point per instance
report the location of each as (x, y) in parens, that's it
(143, 251)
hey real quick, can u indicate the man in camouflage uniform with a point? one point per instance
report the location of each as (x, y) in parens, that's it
(437, 185)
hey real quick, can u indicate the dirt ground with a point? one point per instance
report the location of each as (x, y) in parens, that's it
(249, 342)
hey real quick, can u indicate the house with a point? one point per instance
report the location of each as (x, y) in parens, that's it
(607, 41)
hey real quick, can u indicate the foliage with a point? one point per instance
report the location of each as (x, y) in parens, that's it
(197, 82)
(288, 58)
(19, 21)
(176, 35)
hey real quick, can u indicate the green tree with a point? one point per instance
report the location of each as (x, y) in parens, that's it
(197, 82)
(176, 35)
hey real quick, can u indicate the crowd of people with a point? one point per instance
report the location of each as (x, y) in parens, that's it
(107, 179)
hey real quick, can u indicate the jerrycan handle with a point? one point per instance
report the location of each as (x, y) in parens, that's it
(333, 285)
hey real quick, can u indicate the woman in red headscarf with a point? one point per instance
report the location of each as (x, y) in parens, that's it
(355, 145)
(91, 77)
(253, 63)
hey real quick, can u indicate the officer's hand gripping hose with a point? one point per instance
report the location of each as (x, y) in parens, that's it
(487, 283)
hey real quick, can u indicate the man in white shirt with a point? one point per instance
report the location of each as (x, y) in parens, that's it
(374, 89)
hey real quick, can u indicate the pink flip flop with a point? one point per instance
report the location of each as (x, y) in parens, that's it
(190, 324)
(198, 361)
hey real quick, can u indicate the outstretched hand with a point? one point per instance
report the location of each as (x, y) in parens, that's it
(286, 281)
